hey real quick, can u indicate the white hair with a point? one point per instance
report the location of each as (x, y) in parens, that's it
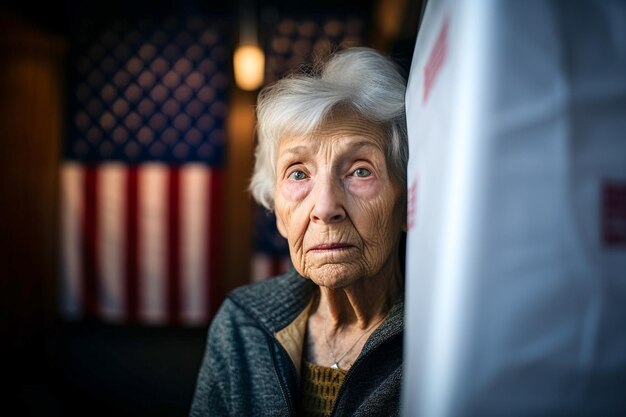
(360, 79)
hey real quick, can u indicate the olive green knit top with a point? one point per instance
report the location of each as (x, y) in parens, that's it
(320, 386)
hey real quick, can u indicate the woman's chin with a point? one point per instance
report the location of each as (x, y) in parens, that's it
(334, 276)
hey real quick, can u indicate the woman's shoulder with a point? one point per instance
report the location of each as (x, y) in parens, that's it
(289, 283)
(275, 299)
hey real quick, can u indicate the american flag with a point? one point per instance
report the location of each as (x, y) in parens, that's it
(141, 180)
(290, 42)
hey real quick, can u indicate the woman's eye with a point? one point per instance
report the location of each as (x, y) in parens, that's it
(297, 175)
(362, 172)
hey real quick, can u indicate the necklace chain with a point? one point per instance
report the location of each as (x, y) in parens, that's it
(336, 360)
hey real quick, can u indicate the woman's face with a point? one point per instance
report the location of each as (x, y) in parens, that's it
(337, 204)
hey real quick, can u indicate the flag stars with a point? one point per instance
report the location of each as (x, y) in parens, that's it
(108, 93)
(120, 107)
(145, 135)
(171, 79)
(183, 66)
(206, 94)
(333, 28)
(158, 122)
(171, 107)
(183, 93)
(133, 93)
(160, 66)
(107, 121)
(195, 80)
(308, 28)
(120, 135)
(194, 53)
(121, 79)
(158, 93)
(146, 107)
(206, 66)
(134, 66)
(133, 121)
(182, 122)
(287, 27)
(146, 79)
(147, 52)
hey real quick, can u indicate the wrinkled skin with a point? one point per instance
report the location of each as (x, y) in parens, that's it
(334, 188)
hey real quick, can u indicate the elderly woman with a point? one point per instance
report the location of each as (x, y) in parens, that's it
(325, 338)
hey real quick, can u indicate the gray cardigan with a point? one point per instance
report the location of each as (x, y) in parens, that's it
(247, 371)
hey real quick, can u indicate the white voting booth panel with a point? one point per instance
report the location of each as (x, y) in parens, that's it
(516, 248)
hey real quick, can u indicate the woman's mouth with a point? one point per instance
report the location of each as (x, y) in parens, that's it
(326, 247)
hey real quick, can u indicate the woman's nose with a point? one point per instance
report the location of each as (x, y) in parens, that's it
(328, 206)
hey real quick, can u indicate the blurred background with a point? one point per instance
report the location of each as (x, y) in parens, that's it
(127, 131)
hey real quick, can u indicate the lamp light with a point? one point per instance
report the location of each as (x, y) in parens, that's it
(249, 60)
(249, 63)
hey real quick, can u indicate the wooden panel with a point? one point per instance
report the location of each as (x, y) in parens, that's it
(31, 115)
(238, 241)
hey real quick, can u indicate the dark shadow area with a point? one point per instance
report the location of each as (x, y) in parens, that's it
(103, 370)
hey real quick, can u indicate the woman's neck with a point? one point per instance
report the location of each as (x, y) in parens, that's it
(363, 303)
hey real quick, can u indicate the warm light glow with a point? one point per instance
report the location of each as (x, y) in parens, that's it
(249, 63)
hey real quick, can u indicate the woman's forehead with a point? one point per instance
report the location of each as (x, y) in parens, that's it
(350, 135)
(305, 146)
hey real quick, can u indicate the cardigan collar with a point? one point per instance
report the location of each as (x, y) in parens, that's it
(282, 305)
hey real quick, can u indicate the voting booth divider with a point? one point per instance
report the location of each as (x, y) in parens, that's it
(516, 243)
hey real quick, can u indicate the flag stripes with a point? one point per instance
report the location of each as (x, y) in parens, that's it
(111, 284)
(140, 243)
